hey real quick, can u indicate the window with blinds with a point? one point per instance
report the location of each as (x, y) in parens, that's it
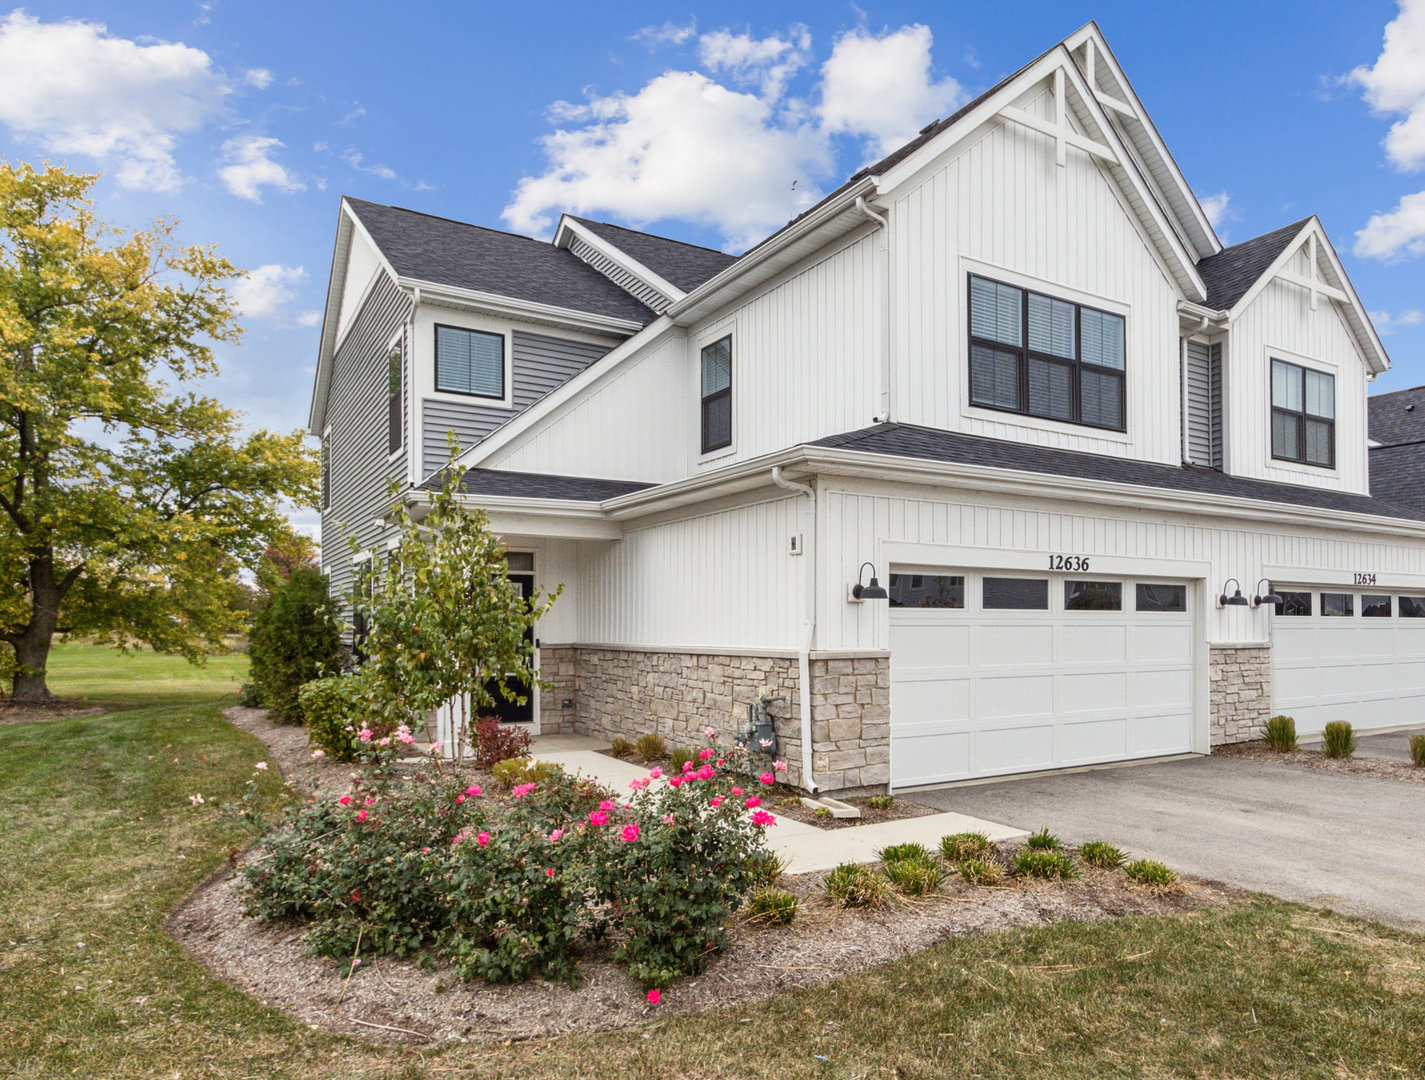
(1202, 404)
(717, 395)
(1041, 356)
(469, 362)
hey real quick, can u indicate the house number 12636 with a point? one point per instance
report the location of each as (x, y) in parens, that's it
(1069, 562)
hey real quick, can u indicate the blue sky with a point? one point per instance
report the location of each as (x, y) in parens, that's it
(248, 120)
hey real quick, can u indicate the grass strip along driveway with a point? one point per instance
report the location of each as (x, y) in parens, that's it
(100, 841)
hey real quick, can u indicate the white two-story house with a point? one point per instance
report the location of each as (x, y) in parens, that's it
(1110, 477)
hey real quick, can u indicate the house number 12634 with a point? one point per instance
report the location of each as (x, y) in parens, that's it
(1365, 579)
(1069, 562)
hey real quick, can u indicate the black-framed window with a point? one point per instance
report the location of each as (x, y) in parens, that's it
(1412, 607)
(1295, 604)
(1093, 596)
(1303, 415)
(717, 394)
(1375, 606)
(1164, 598)
(469, 362)
(1338, 604)
(395, 413)
(927, 590)
(1040, 356)
(1014, 594)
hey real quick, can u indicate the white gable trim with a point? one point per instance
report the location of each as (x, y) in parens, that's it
(1108, 150)
(569, 228)
(1340, 291)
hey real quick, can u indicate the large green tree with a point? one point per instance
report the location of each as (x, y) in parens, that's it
(128, 505)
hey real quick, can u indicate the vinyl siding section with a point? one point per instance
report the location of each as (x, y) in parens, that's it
(1202, 381)
(1280, 322)
(540, 363)
(999, 202)
(626, 280)
(360, 465)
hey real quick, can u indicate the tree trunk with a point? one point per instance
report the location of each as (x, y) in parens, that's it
(32, 644)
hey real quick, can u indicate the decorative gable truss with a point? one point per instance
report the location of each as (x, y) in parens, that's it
(618, 266)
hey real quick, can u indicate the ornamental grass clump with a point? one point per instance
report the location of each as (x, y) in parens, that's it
(880, 802)
(1042, 863)
(852, 885)
(1340, 739)
(1102, 855)
(1149, 872)
(1043, 840)
(914, 876)
(650, 747)
(901, 852)
(513, 772)
(964, 845)
(1280, 733)
(1417, 750)
(773, 906)
(980, 871)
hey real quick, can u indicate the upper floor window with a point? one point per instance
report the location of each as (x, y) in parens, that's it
(1303, 415)
(395, 411)
(469, 362)
(1040, 356)
(717, 394)
(326, 472)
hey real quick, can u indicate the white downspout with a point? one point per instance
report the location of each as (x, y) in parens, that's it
(883, 256)
(808, 625)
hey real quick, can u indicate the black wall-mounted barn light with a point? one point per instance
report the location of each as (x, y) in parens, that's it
(872, 591)
(1236, 599)
(1269, 597)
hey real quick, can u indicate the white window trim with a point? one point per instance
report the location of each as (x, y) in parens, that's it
(461, 321)
(727, 329)
(1325, 367)
(399, 338)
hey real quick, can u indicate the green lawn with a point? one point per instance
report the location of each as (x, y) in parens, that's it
(100, 842)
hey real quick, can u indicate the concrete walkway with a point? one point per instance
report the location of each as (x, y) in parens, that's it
(1353, 843)
(806, 848)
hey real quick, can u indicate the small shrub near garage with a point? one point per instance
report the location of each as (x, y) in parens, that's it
(650, 747)
(880, 802)
(1042, 863)
(965, 845)
(1102, 855)
(1280, 733)
(852, 885)
(1043, 840)
(1149, 872)
(774, 906)
(496, 742)
(1340, 739)
(980, 871)
(1417, 750)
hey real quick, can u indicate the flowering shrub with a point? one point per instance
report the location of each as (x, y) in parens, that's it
(332, 709)
(496, 742)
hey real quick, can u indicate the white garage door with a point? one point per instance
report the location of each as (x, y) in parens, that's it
(1005, 673)
(1353, 655)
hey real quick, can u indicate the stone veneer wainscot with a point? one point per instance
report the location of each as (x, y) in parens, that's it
(1241, 678)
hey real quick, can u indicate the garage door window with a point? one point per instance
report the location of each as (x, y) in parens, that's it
(1162, 597)
(927, 591)
(1412, 607)
(1093, 596)
(1375, 607)
(1338, 603)
(1294, 603)
(1016, 594)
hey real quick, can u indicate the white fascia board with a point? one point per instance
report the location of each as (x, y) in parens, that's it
(1377, 360)
(528, 310)
(1179, 260)
(1206, 235)
(563, 394)
(515, 516)
(769, 249)
(569, 227)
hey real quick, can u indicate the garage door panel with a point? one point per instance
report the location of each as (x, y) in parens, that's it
(935, 702)
(1377, 640)
(1166, 734)
(1014, 749)
(1001, 696)
(928, 644)
(1335, 678)
(1170, 686)
(927, 759)
(1092, 644)
(1016, 645)
(1093, 691)
(1096, 740)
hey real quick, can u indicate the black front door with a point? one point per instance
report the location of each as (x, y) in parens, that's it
(511, 712)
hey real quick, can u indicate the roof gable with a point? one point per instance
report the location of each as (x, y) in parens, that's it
(1233, 270)
(685, 266)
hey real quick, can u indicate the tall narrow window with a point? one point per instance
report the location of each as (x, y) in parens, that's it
(326, 472)
(717, 394)
(469, 362)
(395, 410)
(1041, 356)
(1303, 415)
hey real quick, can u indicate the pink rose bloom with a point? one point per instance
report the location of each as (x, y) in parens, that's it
(459, 798)
(779, 766)
(435, 748)
(473, 789)
(630, 833)
(607, 806)
(345, 800)
(668, 819)
(317, 755)
(555, 835)
(385, 742)
(370, 801)
(483, 839)
(361, 815)
(365, 734)
(768, 778)
(753, 802)
(549, 871)
(656, 774)
(706, 772)
(705, 753)
(737, 791)
(675, 780)
(654, 997)
(521, 790)
(425, 851)
(763, 818)
(687, 766)
(598, 817)
(717, 801)
(711, 732)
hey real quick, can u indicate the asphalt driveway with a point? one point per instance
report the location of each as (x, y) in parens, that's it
(1352, 843)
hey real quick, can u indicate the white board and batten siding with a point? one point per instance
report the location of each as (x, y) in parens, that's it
(998, 205)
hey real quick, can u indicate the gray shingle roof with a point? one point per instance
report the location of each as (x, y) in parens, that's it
(685, 265)
(453, 253)
(525, 485)
(1397, 417)
(1233, 270)
(905, 440)
(1398, 473)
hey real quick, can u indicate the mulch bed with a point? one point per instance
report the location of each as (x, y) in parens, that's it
(787, 804)
(1257, 750)
(57, 709)
(406, 1000)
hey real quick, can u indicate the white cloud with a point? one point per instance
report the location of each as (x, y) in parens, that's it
(769, 62)
(880, 88)
(1386, 323)
(258, 77)
(1395, 84)
(1396, 234)
(74, 89)
(266, 290)
(354, 160)
(309, 318)
(670, 33)
(249, 167)
(681, 147)
(1215, 207)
